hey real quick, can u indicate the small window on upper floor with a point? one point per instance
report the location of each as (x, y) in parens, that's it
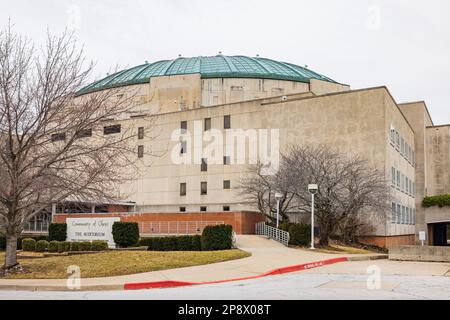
(227, 122)
(182, 209)
(182, 189)
(141, 133)
(203, 209)
(183, 149)
(112, 129)
(204, 165)
(227, 160)
(204, 188)
(58, 137)
(86, 133)
(227, 184)
(183, 126)
(226, 208)
(207, 124)
(140, 151)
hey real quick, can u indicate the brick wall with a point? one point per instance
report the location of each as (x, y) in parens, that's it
(242, 222)
(387, 242)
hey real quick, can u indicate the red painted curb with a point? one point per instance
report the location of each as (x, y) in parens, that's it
(173, 284)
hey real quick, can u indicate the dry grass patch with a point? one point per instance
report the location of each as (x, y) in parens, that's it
(116, 263)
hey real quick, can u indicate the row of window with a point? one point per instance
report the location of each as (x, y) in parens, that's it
(403, 214)
(403, 183)
(114, 129)
(402, 146)
(207, 124)
(204, 165)
(203, 187)
(204, 209)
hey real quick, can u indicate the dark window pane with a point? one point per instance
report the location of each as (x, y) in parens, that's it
(204, 166)
(140, 151)
(182, 209)
(227, 184)
(183, 147)
(183, 126)
(227, 160)
(203, 209)
(141, 133)
(58, 137)
(226, 208)
(112, 129)
(207, 124)
(182, 189)
(204, 188)
(85, 133)
(227, 122)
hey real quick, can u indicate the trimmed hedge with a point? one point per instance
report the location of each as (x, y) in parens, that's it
(217, 238)
(300, 235)
(57, 232)
(29, 244)
(42, 246)
(98, 245)
(183, 243)
(85, 246)
(63, 246)
(53, 246)
(74, 246)
(440, 201)
(125, 234)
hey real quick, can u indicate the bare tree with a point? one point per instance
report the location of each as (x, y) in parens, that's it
(260, 189)
(52, 143)
(351, 193)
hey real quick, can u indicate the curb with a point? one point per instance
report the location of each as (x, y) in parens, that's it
(279, 271)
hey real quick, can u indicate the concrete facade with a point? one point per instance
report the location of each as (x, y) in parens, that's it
(398, 139)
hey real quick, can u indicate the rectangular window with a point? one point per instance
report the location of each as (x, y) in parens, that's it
(86, 133)
(183, 126)
(407, 215)
(207, 124)
(182, 189)
(182, 209)
(402, 220)
(112, 129)
(393, 171)
(140, 151)
(227, 184)
(203, 209)
(402, 146)
(227, 122)
(394, 212)
(141, 133)
(183, 147)
(398, 178)
(399, 213)
(204, 188)
(414, 217)
(413, 190)
(226, 208)
(58, 137)
(227, 160)
(204, 165)
(397, 140)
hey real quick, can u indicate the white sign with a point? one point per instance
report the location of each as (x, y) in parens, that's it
(422, 236)
(90, 229)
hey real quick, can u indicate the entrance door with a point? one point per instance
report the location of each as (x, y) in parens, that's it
(441, 234)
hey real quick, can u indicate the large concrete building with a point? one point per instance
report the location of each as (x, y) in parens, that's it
(252, 93)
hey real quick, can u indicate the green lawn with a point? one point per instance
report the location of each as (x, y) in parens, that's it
(115, 263)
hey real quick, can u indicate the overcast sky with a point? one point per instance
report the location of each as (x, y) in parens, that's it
(403, 44)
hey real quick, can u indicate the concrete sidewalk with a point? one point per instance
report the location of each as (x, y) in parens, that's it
(267, 255)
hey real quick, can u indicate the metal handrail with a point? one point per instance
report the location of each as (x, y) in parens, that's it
(263, 229)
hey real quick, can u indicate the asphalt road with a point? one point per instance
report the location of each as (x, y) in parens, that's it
(287, 287)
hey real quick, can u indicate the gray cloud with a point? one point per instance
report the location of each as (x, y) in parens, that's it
(402, 44)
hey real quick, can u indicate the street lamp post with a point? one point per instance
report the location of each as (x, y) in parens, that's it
(278, 196)
(313, 189)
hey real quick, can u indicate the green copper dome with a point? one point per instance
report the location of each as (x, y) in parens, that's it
(219, 66)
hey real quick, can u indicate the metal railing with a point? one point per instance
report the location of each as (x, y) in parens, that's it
(175, 227)
(262, 229)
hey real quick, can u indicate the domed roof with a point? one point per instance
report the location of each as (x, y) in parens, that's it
(219, 66)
